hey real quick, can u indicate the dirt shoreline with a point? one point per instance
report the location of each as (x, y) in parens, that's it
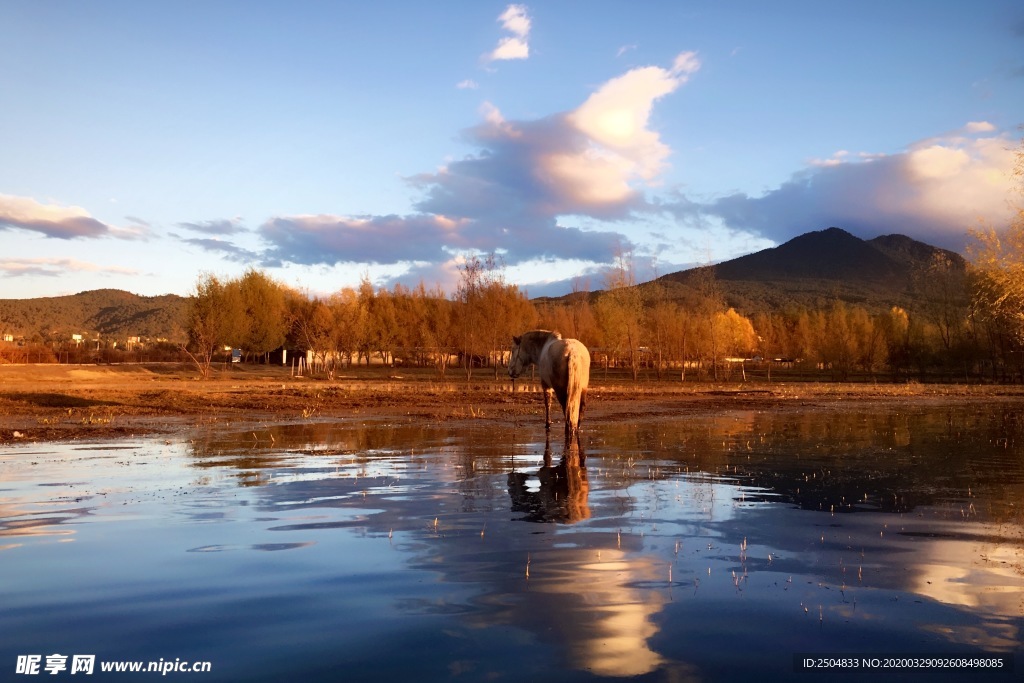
(40, 403)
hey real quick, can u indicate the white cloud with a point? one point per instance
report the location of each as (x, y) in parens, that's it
(510, 48)
(937, 161)
(515, 21)
(837, 158)
(618, 146)
(979, 127)
(468, 84)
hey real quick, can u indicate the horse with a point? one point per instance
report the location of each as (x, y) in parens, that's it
(564, 366)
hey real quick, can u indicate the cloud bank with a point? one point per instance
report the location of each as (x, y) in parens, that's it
(935, 191)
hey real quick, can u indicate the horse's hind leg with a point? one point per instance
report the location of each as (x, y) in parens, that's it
(583, 406)
(547, 408)
(572, 428)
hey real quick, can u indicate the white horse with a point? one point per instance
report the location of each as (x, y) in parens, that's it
(564, 366)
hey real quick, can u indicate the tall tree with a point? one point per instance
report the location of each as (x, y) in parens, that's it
(483, 304)
(710, 303)
(660, 323)
(313, 329)
(998, 261)
(436, 329)
(623, 307)
(469, 316)
(264, 301)
(350, 323)
(215, 317)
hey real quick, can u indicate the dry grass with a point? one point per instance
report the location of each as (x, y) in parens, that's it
(61, 402)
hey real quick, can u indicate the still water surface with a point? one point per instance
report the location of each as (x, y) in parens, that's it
(693, 549)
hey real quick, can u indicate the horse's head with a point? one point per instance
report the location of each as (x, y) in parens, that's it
(516, 363)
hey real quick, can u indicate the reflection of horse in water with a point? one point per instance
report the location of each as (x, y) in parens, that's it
(563, 489)
(564, 366)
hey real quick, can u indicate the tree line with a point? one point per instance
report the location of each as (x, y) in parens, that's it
(964, 322)
(963, 325)
(364, 324)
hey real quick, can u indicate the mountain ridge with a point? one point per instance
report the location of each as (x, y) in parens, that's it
(817, 267)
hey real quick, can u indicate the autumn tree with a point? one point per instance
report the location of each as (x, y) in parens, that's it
(437, 331)
(770, 329)
(382, 331)
(660, 324)
(313, 329)
(350, 323)
(582, 325)
(408, 337)
(508, 313)
(710, 302)
(998, 262)
(215, 317)
(735, 334)
(620, 311)
(469, 314)
(265, 310)
(488, 311)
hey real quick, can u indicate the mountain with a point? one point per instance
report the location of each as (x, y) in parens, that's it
(106, 313)
(818, 267)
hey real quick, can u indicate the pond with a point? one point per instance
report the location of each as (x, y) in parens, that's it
(746, 544)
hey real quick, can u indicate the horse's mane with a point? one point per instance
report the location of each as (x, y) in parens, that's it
(541, 334)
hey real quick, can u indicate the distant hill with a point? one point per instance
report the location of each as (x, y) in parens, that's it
(819, 267)
(106, 313)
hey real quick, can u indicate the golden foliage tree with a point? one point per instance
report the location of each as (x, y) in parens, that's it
(215, 316)
(998, 265)
(620, 312)
(264, 305)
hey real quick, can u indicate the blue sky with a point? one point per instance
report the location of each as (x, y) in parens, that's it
(144, 143)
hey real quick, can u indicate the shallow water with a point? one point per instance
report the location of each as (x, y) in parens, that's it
(695, 549)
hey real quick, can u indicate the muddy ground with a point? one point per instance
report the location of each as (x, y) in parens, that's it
(75, 402)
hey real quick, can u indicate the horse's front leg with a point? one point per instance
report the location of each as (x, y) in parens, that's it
(547, 407)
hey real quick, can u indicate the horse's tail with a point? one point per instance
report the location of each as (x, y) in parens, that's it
(579, 378)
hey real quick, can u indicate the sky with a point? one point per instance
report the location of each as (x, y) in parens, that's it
(145, 143)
